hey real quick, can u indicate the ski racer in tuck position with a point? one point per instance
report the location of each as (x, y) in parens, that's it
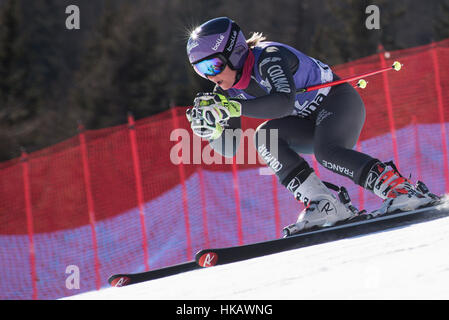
(259, 79)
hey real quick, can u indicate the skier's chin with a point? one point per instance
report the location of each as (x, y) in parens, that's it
(224, 85)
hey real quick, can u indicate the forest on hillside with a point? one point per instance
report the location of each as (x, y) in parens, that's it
(129, 56)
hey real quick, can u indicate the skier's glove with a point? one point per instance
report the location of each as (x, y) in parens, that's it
(221, 107)
(204, 124)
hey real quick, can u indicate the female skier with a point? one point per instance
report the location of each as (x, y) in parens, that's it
(259, 79)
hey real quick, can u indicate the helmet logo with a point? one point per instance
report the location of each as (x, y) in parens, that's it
(232, 41)
(218, 42)
(191, 45)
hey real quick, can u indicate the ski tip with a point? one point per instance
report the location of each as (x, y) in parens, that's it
(206, 258)
(119, 281)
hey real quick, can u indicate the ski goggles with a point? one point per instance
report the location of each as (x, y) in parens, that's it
(210, 67)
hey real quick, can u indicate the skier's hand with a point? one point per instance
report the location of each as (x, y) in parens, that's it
(218, 105)
(204, 124)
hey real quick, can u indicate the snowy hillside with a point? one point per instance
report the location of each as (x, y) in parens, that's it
(410, 262)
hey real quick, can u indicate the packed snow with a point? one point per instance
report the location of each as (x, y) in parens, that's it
(410, 262)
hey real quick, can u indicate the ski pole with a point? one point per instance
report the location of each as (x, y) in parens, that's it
(362, 84)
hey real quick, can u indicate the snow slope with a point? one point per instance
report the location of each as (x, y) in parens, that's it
(411, 262)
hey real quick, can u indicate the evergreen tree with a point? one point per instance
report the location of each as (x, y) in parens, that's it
(9, 79)
(350, 33)
(31, 73)
(441, 24)
(123, 70)
(130, 55)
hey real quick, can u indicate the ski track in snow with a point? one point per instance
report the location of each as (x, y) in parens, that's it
(409, 262)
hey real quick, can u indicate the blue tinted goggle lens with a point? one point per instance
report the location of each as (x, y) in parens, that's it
(210, 67)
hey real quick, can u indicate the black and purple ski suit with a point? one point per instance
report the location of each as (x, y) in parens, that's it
(325, 122)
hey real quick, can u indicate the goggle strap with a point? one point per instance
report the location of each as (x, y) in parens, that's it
(232, 40)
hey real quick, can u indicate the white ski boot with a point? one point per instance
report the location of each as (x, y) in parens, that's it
(323, 208)
(398, 193)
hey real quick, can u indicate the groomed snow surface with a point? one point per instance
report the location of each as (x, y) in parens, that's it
(410, 262)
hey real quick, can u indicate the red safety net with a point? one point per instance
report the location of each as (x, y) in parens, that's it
(121, 200)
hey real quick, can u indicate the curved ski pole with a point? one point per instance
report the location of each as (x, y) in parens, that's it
(362, 84)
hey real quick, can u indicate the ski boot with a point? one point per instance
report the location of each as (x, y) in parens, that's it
(323, 209)
(398, 193)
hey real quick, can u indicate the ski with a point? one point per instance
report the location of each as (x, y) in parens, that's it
(125, 279)
(218, 256)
